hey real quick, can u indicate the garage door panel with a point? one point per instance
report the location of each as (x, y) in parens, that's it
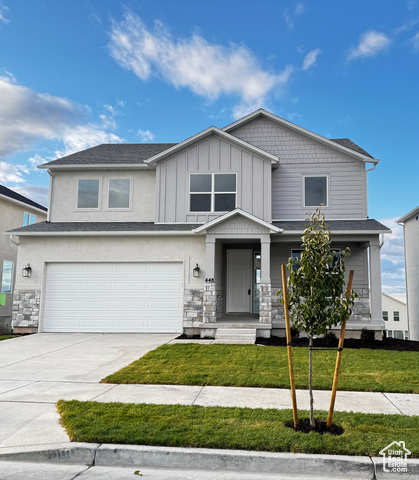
(113, 297)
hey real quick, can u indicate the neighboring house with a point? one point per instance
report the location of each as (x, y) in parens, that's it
(190, 237)
(15, 211)
(410, 223)
(395, 318)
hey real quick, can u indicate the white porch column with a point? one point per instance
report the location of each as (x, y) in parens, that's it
(210, 257)
(265, 260)
(375, 283)
(265, 303)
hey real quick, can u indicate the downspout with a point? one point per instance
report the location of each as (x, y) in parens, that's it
(373, 168)
(16, 242)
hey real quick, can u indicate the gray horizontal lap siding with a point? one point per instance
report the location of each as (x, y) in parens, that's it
(213, 155)
(299, 155)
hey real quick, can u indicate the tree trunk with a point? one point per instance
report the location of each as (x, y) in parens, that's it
(310, 380)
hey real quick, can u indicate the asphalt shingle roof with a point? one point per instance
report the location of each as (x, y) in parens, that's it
(113, 154)
(137, 153)
(335, 225)
(345, 142)
(86, 227)
(63, 227)
(20, 198)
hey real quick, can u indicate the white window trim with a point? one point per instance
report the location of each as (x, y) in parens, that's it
(119, 209)
(212, 193)
(99, 199)
(327, 176)
(11, 279)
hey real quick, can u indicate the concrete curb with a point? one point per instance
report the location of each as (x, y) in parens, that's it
(93, 454)
(68, 453)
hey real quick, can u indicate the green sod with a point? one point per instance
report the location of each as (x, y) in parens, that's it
(5, 337)
(259, 366)
(232, 428)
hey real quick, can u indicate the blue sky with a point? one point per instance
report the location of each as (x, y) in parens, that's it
(77, 73)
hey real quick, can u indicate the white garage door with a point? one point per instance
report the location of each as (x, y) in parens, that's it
(113, 297)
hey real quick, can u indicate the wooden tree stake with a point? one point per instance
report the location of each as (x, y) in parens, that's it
(289, 346)
(339, 356)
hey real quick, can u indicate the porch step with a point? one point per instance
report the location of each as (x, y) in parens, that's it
(235, 335)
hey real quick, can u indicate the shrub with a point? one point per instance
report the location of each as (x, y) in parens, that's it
(367, 337)
(329, 340)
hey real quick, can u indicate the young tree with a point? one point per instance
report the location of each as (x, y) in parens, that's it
(315, 287)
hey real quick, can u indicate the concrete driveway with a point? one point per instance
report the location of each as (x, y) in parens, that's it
(38, 369)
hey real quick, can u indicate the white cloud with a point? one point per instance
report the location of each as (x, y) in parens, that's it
(208, 70)
(85, 136)
(145, 135)
(28, 117)
(370, 44)
(392, 259)
(311, 58)
(3, 12)
(290, 16)
(37, 193)
(12, 173)
(415, 42)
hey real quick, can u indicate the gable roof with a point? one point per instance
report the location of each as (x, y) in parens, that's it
(342, 144)
(17, 197)
(233, 213)
(409, 215)
(110, 154)
(207, 133)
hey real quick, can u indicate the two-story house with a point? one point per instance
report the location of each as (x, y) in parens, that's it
(395, 318)
(190, 237)
(16, 210)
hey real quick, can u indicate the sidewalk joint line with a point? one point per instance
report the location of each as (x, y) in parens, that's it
(199, 394)
(394, 405)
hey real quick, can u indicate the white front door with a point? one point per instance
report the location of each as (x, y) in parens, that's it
(239, 281)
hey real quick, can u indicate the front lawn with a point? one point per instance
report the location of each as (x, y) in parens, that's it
(5, 337)
(232, 428)
(263, 366)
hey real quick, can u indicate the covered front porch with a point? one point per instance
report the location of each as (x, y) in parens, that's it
(237, 291)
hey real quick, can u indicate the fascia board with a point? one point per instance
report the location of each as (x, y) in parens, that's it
(412, 213)
(206, 133)
(342, 232)
(302, 131)
(173, 233)
(91, 166)
(23, 204)
(233, 213)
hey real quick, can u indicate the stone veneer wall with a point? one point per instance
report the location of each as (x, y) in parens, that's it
(360, 311)
(212, 303)
(192, 307)
(26, 311)
(265, 305)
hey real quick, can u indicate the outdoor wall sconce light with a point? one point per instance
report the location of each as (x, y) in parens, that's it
(26, 271)
(196, 271)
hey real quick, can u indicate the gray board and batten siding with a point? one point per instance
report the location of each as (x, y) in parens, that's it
(213, 155)
(300, 155)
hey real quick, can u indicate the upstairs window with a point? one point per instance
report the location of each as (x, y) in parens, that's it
(119, 193)
(315, 191)
(396, 316)
(88, 194)
(212, 192)
(385, 315)
(7, 277)
(28, 219)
